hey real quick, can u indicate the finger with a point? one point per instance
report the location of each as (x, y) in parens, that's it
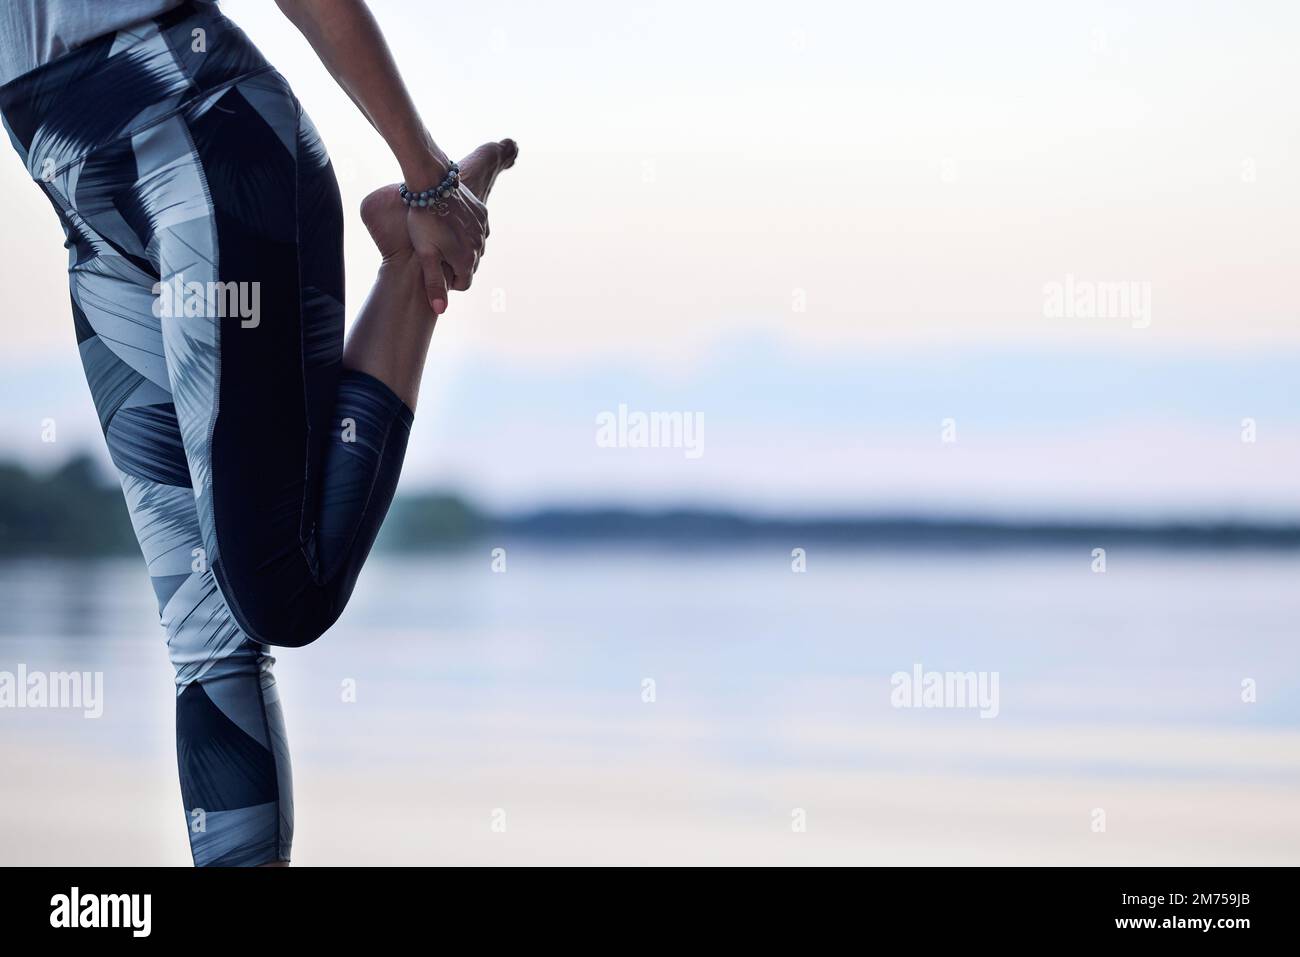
(469, 221)
(463, 269)
(470, 211)
(435, 283)
(460, 256)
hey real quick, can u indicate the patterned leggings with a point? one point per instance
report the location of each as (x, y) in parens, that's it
(205, 233)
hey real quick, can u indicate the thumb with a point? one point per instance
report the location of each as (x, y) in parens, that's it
(435, 284)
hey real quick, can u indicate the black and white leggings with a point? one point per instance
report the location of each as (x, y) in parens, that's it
(205, 241)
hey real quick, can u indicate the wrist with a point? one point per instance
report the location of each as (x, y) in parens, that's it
(425, 164)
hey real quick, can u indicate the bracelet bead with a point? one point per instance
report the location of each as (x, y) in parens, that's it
(435, 196)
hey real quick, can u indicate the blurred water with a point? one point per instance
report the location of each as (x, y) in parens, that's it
(538, 673)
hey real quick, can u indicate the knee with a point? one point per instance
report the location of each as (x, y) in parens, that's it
(290, 635)
(273, 616)
(288, 625)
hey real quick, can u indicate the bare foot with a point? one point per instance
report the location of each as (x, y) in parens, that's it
(479, 169)
(384, 213)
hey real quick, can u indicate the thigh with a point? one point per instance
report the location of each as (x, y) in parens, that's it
(256, 227)
(112, 284)
(121, 352)
(119, 337)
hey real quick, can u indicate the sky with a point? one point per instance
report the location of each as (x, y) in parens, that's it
(829, 232)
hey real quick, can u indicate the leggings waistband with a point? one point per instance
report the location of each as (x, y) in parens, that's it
(123, 82)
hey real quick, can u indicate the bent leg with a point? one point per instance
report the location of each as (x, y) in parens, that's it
(294, 460)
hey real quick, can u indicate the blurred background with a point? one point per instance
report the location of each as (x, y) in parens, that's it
(830, 238)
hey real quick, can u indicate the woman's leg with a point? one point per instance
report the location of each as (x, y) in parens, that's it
(231, 749)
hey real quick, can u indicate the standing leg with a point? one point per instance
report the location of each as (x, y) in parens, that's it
(233, 757)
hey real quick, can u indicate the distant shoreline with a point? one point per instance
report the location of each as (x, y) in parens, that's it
(75, 511)
(702, 527)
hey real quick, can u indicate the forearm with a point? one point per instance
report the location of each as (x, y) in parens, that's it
(348, 41)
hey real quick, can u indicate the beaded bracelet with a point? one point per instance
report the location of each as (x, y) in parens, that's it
(435, 197)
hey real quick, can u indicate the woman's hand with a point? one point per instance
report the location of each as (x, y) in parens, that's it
(391, 223)
(448, 245)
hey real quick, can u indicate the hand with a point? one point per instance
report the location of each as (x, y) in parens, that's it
(389, 221)
(448, 245)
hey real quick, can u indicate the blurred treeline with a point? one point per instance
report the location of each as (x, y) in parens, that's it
(71, 510)
(77, 510)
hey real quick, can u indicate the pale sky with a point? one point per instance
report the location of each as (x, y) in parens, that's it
(823, 227)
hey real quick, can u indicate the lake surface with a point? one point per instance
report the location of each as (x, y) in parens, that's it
(525, 697)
